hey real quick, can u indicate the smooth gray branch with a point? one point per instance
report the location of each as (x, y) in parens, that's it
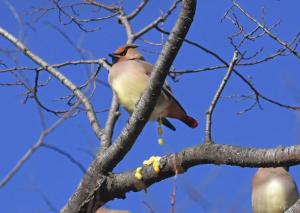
(210, 111)
(113, 116)
(137, 10)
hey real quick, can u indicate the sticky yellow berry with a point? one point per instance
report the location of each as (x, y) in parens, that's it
(138, 174)
(160, 141)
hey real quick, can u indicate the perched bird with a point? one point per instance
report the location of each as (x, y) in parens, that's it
(129, 77)
(273, 190)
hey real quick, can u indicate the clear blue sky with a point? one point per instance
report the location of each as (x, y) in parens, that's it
(205, 188)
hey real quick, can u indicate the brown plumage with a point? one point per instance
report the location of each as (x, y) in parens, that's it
(105, 210)
(273, 190)
(129, 77)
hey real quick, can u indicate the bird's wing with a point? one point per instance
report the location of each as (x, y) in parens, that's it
(166, 88)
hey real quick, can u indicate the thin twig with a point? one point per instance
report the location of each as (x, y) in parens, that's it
(113, 116)
(267, 31)
(173, 194)
(36, 146)
(257, 93)
(65, 154)
(209, 113)
(101, 61)
(155, 23)
(137, 10)
(63, 79)
(125, 22)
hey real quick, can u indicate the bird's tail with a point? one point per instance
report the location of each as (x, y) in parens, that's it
(166, 123)
(191, 122)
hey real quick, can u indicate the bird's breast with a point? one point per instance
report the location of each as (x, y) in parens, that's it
(276, 195)
(129, 87)
(273, 197)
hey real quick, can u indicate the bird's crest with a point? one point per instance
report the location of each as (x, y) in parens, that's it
(123, 49)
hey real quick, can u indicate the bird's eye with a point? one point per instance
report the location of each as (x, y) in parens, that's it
(124, 53)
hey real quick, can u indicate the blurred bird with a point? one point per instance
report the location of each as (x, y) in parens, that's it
(129, 77)
(105, 210)
(273, 190)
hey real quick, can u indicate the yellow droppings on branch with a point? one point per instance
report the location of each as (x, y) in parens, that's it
(138, 174)
(156, 166)
(154, 160)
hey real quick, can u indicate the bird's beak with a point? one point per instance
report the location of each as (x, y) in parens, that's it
(114, 58)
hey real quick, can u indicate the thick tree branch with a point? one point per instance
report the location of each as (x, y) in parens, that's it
(295, 208)
(86, 199)
(145, 106)
(117, 185)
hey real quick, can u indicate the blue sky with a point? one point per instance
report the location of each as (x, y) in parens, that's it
(205, 188)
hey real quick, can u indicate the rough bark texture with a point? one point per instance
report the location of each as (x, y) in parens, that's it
(87, 196)
(113, 186)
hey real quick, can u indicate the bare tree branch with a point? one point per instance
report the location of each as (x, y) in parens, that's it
(36, 146)
(65, 154)
(100, 61)
(209, 113)
(295, 208)
(266, 30)
(137, 10)
(117, 185)
(157, 21)
(113, 116)
(257, 93)
(63, 79)
(86, 198)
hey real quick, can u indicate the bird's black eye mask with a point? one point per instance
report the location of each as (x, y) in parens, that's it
(115, 57)
(124, 52)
